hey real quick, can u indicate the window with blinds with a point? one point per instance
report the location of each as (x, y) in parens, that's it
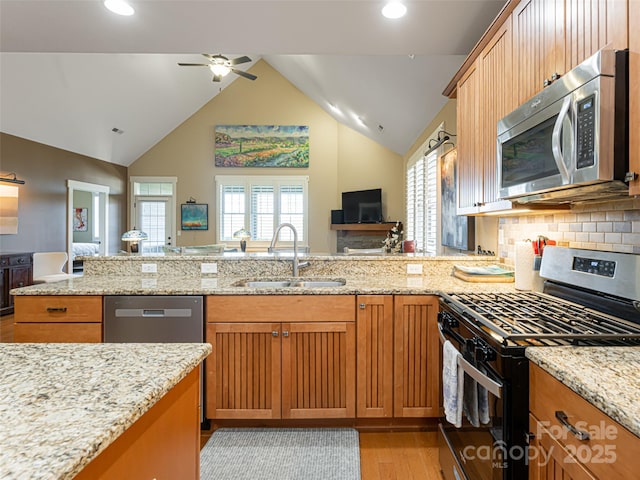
(260, 204)
(422, 195)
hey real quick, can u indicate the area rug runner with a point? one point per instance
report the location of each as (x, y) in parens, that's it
(281, 454)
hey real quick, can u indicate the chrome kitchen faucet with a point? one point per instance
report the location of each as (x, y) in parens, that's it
(296, 263)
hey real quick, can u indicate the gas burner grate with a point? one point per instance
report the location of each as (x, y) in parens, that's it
(529, 315)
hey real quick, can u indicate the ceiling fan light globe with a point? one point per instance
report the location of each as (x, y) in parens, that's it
(120, 7)
(394, 10)
(219, 70)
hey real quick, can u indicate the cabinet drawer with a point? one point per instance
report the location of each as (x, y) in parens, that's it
(281, 308)
(57, 332)
(610, 452)
(58, 309)
(20, 260)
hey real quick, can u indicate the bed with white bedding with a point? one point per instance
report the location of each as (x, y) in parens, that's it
(85, 249)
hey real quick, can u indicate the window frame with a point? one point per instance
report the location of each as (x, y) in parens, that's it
(247, 181)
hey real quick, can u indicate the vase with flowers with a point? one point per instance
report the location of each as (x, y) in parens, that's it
(393, 242)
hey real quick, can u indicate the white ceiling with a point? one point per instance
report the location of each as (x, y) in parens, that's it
(70, 70)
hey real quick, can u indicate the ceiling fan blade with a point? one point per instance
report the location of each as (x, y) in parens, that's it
(193, 64)
(239, 60)
(243, 74)
(216, 78)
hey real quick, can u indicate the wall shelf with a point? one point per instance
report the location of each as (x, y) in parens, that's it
(363, 227)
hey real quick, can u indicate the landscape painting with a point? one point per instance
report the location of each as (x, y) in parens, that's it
(195, 216)
(458, 231)
(261, 146)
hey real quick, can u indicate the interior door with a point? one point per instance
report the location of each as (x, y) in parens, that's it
(153, 216)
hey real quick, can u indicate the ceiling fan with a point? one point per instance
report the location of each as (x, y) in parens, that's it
(220, 66)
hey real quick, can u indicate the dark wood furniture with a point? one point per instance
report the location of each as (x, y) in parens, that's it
(16, 271)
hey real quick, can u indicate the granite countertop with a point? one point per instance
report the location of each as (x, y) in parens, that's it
(193, 285)
(63, 404)
(607, 377)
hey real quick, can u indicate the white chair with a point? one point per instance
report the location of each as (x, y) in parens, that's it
(47, 267)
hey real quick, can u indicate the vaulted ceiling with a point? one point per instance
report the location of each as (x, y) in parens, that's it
(71, 71)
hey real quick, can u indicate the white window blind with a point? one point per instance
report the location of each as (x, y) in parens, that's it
(422, 195)
(260, 204)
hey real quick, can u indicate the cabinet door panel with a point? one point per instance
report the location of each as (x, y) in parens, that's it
(550, 460)
(538, 45)
(375, 356)
(468, 187)
(57, 332)
(591, 25)
(318, 370)
(243, 376)
(417, 359)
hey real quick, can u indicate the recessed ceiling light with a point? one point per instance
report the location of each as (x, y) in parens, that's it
(394, 10)
(121, 7)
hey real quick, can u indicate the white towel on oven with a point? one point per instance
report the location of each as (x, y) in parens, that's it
(470, 401)
(452, 384)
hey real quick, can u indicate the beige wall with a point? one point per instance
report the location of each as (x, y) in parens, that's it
(339, 158)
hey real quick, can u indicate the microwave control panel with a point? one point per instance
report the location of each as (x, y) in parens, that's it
(604, 268)
(586, 120)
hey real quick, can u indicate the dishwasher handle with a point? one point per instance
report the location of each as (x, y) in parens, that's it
(153, 312)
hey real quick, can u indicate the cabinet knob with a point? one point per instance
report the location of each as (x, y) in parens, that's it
(285, 333)
(555, 76)
(21, 284)
(630, 176)
(275, 333)
(362, 306)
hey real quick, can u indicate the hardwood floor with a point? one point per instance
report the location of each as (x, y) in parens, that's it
(392, 455)
(383, 455)
(6, 329)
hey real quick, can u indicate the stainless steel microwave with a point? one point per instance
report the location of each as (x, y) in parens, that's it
(569, 142)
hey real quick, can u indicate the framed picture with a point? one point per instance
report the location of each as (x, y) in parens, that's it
(194, 216)
(80, 220)
(262, 146)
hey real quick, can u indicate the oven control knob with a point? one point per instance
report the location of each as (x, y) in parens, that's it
(447, 319)
(484, 353)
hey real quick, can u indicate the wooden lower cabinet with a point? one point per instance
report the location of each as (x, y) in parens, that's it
(417, 372)
(398, 356)
(163, 443)
(550, 457)
(611, 451)
(58, 319)
(375, 356)
(267, 369)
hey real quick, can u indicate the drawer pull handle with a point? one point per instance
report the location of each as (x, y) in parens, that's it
(56, 309)
(579, 434)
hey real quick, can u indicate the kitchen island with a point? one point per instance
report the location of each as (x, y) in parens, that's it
(71, 410)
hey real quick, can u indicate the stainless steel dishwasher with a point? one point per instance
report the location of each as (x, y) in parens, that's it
(155, 319)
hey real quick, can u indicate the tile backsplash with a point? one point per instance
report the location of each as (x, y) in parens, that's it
(613, 226)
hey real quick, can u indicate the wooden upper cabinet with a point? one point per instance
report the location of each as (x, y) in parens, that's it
(553, 36)
(485, 95)
(634, 95)
(469, 187)
(497, 99)
(538, 43)
(592, 25)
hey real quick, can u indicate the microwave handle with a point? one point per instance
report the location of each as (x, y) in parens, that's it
(556, 141)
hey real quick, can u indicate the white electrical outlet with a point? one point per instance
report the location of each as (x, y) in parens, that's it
(149, 268)
(209, 268)
(149, 283)
(414, 269)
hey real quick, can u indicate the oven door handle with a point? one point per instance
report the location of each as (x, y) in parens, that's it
(482, 379)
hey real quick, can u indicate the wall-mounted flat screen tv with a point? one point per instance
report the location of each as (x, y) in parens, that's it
(362, 206)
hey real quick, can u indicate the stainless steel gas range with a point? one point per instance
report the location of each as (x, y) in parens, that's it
(589, 298)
